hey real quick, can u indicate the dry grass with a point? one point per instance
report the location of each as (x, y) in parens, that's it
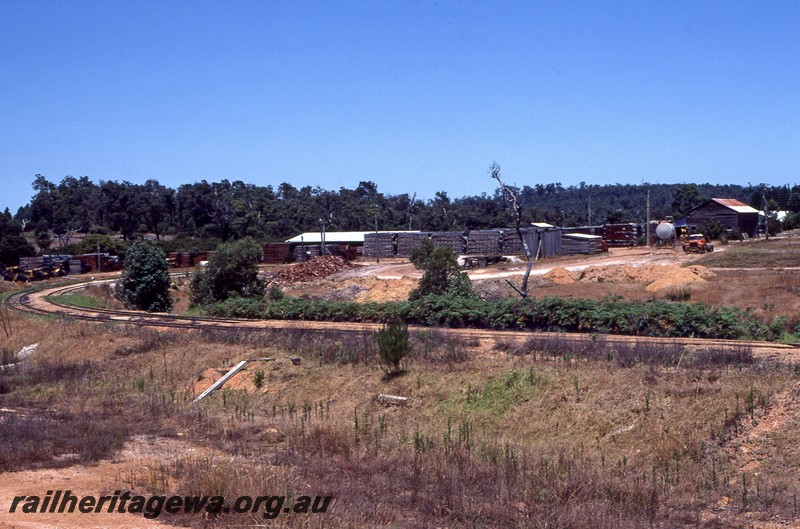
(757, 254)
(768, 293)
(528, 435)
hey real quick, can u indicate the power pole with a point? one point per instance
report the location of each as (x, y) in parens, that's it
(647, 226)
(323, 250)
(589, 210)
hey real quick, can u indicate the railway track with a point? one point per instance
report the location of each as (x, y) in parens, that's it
(45, 302)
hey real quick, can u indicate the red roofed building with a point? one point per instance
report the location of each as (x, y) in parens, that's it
(731, 213)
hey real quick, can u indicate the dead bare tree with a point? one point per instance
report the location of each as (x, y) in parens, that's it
(522, 290)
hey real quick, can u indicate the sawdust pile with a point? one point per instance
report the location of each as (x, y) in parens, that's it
(316, 268)
(388, 290)
(560, 276)
(358, 288)
(656, 277)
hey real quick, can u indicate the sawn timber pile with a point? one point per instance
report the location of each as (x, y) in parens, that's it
(316, 268)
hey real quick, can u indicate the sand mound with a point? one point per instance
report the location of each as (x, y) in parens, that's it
(359, 288)
(389, 290)
(655, 276)
(560, 276)
(676, 277)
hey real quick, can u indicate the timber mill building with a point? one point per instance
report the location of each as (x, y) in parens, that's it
(731, 213)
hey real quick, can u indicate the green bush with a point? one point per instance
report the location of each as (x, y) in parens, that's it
(145, 282)
(393, 346)
(442, 275)
(231, 272)
(713, 230)
(274, 293)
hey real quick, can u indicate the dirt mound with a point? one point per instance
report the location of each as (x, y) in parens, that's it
(674, 276)
(389, 290)
(356, 288)
(609, 274)
(316, 268)
(655, 276)
(560, 276)
(701, 271)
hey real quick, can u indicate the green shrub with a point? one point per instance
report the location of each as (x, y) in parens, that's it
(712, 229)
(393, 346)
(231, 272)
(145, 282)
(274, 293)
(442, 274)
(258, 378)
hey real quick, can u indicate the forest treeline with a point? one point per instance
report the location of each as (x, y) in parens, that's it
(229, 210)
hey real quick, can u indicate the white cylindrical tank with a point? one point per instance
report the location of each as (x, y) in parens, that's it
(665, 231)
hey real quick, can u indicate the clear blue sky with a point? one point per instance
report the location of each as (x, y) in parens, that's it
(415, 96)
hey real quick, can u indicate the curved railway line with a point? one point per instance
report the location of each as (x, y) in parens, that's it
(45, 302)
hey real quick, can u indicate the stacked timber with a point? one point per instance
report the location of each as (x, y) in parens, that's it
(29, 263)
(88, 262)
(45, 262)
(511, 243)
(350, 252)
(379, 245)
(76, 267)
(483, 242)
(620, 235)
(449, 239)
(275, 253)
(304, 252)
(184, 259)
(407, 241)
(580, 243)
(108, 263)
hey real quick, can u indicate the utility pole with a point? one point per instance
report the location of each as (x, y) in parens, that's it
(765, 209)
(375, 209)
(322, 249)
(647, 226)
(589, 210)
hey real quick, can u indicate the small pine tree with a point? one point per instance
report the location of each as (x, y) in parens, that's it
(145, 282)
(393, 346)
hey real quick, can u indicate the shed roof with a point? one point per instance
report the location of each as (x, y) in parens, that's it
(335, 237)
(581, 236)
(737, 205)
